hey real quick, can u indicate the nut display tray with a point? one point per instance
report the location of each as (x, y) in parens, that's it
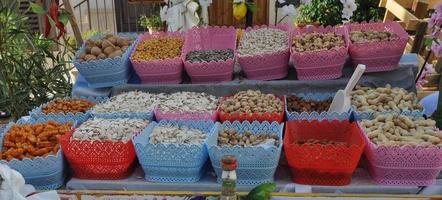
(160, 115)
(167, 71)
(44, 173)
(210, 38)
(106, 72)
(318, 164)
(381, 55)
(360, 115)
(256, 164)
(324, 115)
(172, 162)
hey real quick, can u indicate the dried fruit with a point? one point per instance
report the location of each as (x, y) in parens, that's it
(299, 104)
(68, 105)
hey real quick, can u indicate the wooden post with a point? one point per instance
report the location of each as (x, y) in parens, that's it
(73, 21)
(420, 8)
(389, 16)
(419, 37)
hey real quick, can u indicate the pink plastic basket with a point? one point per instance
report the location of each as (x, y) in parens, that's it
(320, 65)
(210, 38)
(267, 66)
(166, 71)
(159, 115)
(378, 56)
(406, 165)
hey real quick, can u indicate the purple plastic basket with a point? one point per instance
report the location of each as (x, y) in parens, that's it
(406, 165)
(197, 116)
(378, 56)
(268, 66)
(210, 38)
(320, 65)
(166, 71)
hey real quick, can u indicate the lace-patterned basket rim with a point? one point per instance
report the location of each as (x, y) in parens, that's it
(321, 29)
(57, 119)
(187, 47)
(147, 36)
(37, 112)
(391, 26)
(126, 53)
(246, 115)
(315, 115)
(370, 115)
(284, 27)
(186, 115)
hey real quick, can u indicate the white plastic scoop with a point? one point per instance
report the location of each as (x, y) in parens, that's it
(342, 102)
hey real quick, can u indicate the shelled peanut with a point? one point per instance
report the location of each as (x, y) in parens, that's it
(317, 42)
(252, 101)
(32, 140)
(299, 104)
(384, 99)
(110, 46)
(158, 49)
(394, 129)
(371, 36)
(68, 106)
(232, 137)
(322, 142)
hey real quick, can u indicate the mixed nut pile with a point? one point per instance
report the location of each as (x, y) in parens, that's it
(322, 142)
(393, 129)
(252, 101)
(32, 140)
(209, 55)
(173, 134)
(299, 104)
(261, 41)
(109, 129)
(381, 99)
(317, 42)
(232, 137)
(158, 49)
(134, 101)
(68, 106)
(110, 46)
(187, 102)
(372, 36)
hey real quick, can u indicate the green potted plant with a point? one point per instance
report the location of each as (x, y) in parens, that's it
(152, 23)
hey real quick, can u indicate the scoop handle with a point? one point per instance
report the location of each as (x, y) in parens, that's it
(360, 69)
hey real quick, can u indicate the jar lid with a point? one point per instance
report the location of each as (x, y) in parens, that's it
(228, 162)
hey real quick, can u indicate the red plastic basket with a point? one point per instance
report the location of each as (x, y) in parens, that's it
(210, 38)
(270, 117)
(319, 65)
(158, 71)
(323, 164)
(268, 66)
(378, 56)
(98, 160)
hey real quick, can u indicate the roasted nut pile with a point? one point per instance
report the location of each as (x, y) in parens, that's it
(317, 42)
(209, 55)
(299, 104)
(372, 36)
(381, 99)
(31, 140)
(252, 101)
(109, 129)
(68, 105)
(232, 137)
(261, 41)
(158, 49)
(393, 129)
(322, 142)
(134, 101)
(188, 102)
(110, 46)
(170, 134)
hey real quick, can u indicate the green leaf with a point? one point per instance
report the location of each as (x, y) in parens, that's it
(51, 21)
(261, 192)
(64, 17)
(428, 41)
(37, 9)
(252, 7)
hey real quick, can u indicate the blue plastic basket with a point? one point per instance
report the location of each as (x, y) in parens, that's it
(106, 72)
(315, 115)
(172, 162)
(370, 115)
(256, 165)
(43, 173)
(80, 117)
